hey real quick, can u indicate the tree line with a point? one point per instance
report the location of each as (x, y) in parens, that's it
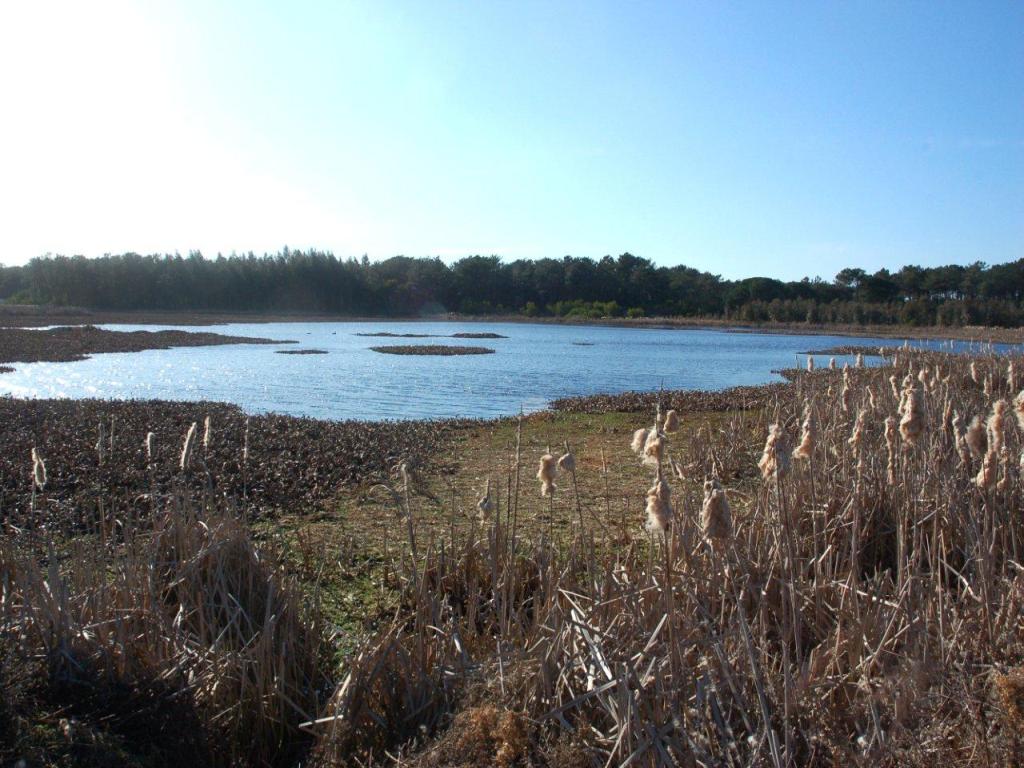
(627, 285)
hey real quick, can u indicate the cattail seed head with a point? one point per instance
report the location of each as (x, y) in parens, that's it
(639, 440)
(546, 471)
(653, 449)
(659, 507)
(149, 446)
(485, 506)
(831, 363)
(186, 449)
(996, 425)
(1018, 409)
(671, 421)
(912, 423)
(207, 434)
(567, 463)
(860, 360)
(38, 470)
(975, 373)
(774, 462)
(810, 364)
(808, 435)
(715, 517)
(976, 438)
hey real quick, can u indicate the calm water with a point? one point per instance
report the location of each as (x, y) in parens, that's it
(534, 365)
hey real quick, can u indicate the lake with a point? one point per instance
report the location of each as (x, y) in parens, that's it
(534, 365)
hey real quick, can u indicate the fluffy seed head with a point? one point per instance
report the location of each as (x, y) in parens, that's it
(639, 440)
(976, 438)
(206, 433)
(1018, 409)
(774, 460)
(912, 422)
(659, 507)
(808, 435)
(186, 449)
(653, 449)
(715, 517)
(546, 471)
(810, 363)
(671, 422)
(149, 446)
(38, 470)
(567, 463)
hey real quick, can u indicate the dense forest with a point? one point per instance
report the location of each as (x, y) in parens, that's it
(313, 281)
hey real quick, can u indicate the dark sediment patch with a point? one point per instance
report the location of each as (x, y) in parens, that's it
(732, 399)
(583, 343)
(432, 349)
(294, 465)
(478, 336)
(19, 345)
(6, 369)
(300, 351)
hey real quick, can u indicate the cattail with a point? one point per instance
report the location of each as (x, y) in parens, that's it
(913, 421)
(1018, 408)
(975, 375)
(245, 442)
(671, 422)
(567, 463)
(653, 448)
(923, 377)
(659, 507)
(149, 447)
(1004, 469)
(810, 364)
(485, 506)
(857, 437)
(808, 435)
(546, 474)
(872, 404)
(891, 435)
(860, 360)
(206, 434)
(101, 443)
(987, 474)
(186, 449)
(987, 386)
(947, 418)
(1011, 376)
(895, 388)
(38, 470)
(976, 438)
(831, 363)
(715, 518)
(846, 398)
(774, 461)
(639, 440)
(996, 425)
(959, 440)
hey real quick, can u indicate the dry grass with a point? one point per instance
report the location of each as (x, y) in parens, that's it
(863, 606)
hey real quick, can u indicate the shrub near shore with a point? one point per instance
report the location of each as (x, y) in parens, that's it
(845, 591)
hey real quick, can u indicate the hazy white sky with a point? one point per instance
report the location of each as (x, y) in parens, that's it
(748, 138)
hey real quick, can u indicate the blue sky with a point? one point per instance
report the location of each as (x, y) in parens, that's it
(760, 138)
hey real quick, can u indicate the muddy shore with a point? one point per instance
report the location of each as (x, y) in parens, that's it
(21, 345)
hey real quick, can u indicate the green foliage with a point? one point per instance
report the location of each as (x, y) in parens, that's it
(315, 281)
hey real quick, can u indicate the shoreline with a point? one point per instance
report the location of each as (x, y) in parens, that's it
(21, 316)
(71, 344)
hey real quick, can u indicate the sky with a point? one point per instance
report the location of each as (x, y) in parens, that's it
(741, 138)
